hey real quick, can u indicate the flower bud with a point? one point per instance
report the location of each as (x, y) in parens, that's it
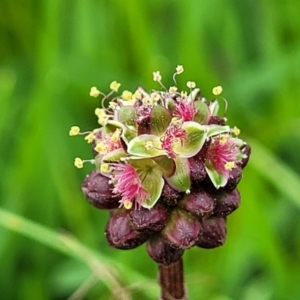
(246, 149)
(182, 230)
(120, 234)
(226, 203)
(197, 170)
(170, 196)
(198, 204)
(233, 180)
(213, 233)
(98, 191)
(161, 252)
(154, 219)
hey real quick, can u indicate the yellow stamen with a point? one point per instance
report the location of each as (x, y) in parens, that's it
(114, 86)
(90, 137)
(236, 131)
(126, 95)
(217, 90)
(127, 204)
(75, 130)
(101, 147)
(100, 112)
(104, 168)
(155, 96)
(156, 76)
(229, 165)
(137, 95)
(223, 139)
(147, 101)
(191, 84)
(103, 119)
(173, 89)
(78, 163)
(116, 135)
(179, 69)
(149, 145)
(94, 92)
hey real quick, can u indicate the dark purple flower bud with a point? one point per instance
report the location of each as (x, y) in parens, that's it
(235, 176)
(182, 230)
(98, 191)
(198, 204)
(170, 196)
(213, 233)
(217, 120)
(154, 219)
(226, 203)
(120, 233)
(197, 170)
(246, 149)
(161, 252)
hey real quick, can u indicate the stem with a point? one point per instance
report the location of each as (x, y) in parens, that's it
(171, 281)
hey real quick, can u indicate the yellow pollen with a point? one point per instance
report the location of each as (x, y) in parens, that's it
(104, 168)
(100, 112)
(217, 90)
(90, 137)
(179, 69)
(155, 96)
(147, 101)
(116, 135)
(78, 163)
(101, 148)
(94, 92)
(126, 95)
(103, 119)
(112, 105)
(74, 130)
(156, 76)
(149, 145)
(236, 131)
(127, 204)
(137, 95)
(114, 86)
(191, 84)
(223, 139)
(229, 165)
(173, 89)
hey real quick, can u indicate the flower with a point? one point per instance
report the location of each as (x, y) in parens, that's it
(128, 184)
(223, 154)
(166, 168)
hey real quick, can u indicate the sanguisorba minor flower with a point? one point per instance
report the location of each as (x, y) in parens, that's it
(166, 167)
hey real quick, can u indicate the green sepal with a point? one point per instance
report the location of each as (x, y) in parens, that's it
(218, 179)
(214, 107)
(151, 178)
(128, 133)
(202, 112)
(159, 120)
(180, 180)
(114, 155)
(166, 164)
(195, 138)
(127, 115)
(216, 129)
(145, 146)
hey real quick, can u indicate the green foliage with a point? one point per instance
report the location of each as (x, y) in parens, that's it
(52, 52)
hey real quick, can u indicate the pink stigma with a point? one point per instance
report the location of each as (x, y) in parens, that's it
(128, 185)
(186, 110)
(222, 153)
(173, 134)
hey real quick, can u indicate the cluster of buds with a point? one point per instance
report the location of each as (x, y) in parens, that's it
(166, 168)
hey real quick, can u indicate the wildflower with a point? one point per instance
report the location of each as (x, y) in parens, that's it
(186, 109)
(128, 184)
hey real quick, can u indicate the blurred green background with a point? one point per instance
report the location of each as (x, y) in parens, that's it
(52, 52)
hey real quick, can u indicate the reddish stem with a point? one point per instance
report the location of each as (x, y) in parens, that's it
(171, 281)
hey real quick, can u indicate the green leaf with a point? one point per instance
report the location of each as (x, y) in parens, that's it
(145, 146)
(160, 120)
(191, 145)
(202, 112)
(127, 115)
(218, 179)
(181, 178)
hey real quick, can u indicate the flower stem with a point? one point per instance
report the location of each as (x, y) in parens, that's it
(171, 281)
